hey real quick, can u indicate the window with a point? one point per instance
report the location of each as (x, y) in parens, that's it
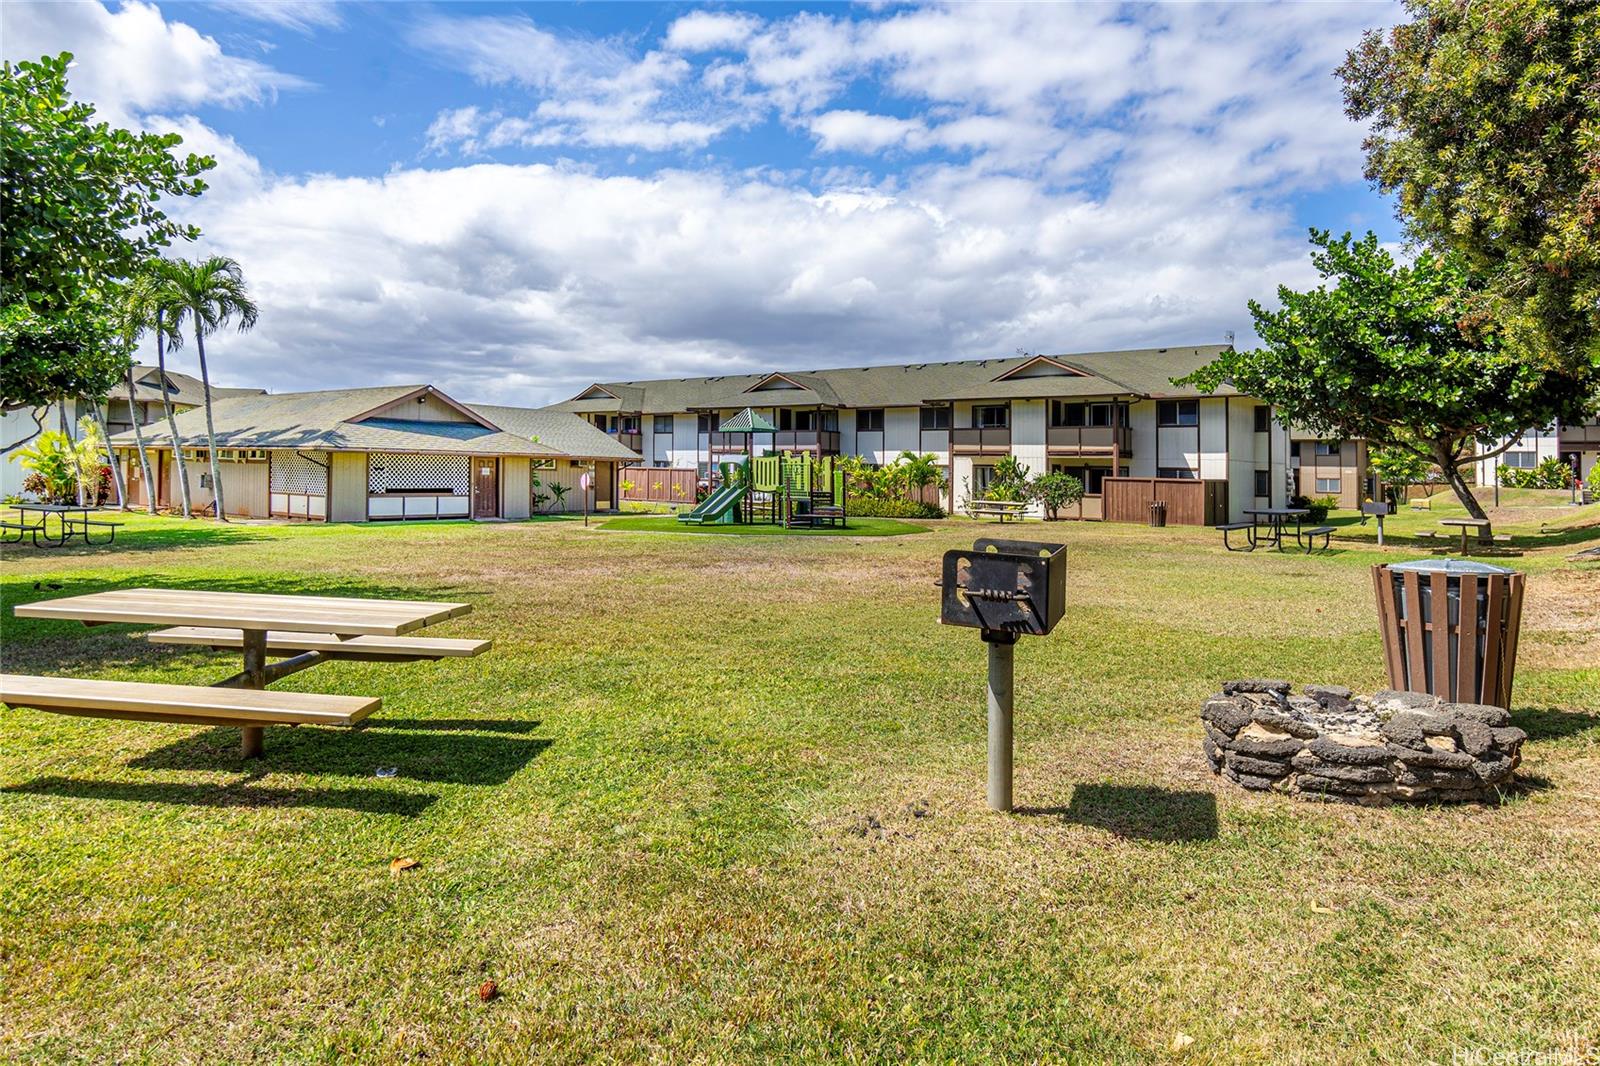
(1066, 414)
(1520, 460)
(664, 424)
(1294, 449)
(1263, 480)
(982, 477)
(1329, 448)
(1178, 413)
(628, 424)
(1176, 471)
(936, 418)
(703, 424)
(869, 420)
(1263, 423)
(1328, 485)
(544, 464)
(997, 416)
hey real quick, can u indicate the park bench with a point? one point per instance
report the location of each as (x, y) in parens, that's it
(1001, 509)
(1307, 538)
(1227, 530)
(364, 649)
(141, 701)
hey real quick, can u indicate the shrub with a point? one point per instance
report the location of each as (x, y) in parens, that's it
(870, 507)
(1055, 491)
(1551, 473)
(1319, 508)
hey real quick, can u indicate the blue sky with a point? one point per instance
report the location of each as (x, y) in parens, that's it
(513, 200)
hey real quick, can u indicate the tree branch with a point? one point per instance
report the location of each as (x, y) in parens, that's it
(38, 428)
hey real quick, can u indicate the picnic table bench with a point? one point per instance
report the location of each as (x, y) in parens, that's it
(1482, 525)
(1001, 509)
(313, 628)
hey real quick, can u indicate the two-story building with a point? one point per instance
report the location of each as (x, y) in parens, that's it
(1097, 415)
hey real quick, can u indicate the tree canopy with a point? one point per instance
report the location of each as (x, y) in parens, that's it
(1485, 119)
(80, 201)
(1396, 354)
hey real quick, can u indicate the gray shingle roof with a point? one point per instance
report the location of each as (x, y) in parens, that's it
(561, 430)
(1144, 372)
(184, 389)
(320, 421)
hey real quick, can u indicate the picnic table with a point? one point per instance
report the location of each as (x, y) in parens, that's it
(307, 629)
(1001, 509)
(67, 528)
(1276, 518)
(1481, 524)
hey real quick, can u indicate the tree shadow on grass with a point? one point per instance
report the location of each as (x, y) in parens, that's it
(1553, 723)
(362, 800)
(463, 759)
(1139, 812)
(462, 725)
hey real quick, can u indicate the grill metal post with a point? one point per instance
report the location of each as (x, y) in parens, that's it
(1002, 664)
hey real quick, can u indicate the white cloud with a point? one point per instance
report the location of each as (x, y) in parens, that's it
(302, 15)
(132, 61)
(704, 31)
(858, 131)
(592, 93)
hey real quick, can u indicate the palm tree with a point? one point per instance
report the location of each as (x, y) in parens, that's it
(99, 416)
(149, 307)
(138, 442)
(211, 293)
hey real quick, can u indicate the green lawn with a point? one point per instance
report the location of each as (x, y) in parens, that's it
(721, 799)
(858, 527)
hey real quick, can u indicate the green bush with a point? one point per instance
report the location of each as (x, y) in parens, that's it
(869, 507)
(1319, 508)
(1551, 473)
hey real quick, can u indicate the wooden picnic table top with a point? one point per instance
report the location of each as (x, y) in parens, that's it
(1279, 512)
(248, 610)
(54, 508)
(1464, 522)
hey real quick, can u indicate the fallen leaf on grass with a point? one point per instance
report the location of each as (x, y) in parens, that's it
(397, 865)
(1180, 1042)
(1317, 908)
(488, 990)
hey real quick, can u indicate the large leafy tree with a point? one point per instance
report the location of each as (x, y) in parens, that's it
(1397, 354)
(208, 294)
(1485, 120)
(79, 202)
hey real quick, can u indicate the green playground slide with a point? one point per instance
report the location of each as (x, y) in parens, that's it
(718, 507)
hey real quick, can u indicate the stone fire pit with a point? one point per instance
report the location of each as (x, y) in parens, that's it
(1326, 743)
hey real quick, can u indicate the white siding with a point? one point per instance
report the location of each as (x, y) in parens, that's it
(902, 431)
(1212, 461)
(1142, 422)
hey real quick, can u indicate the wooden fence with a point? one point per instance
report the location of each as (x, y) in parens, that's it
(658, 484)
(1189, 502)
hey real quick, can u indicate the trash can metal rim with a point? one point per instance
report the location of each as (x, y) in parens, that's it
(1448, 566)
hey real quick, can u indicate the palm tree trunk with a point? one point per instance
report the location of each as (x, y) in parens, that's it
(138, 441)
(111, 456)
(211, 433)
(66, 431)
(172, 421)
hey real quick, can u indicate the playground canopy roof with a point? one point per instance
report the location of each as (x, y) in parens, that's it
(747, 421)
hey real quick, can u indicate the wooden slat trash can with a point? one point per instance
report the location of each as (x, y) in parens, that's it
(1450, 628)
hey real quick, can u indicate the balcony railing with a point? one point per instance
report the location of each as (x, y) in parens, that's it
(990, 439)
(1079, 440)
(631, 440)
(822, 441)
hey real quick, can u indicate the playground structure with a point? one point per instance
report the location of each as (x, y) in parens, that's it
(795, 491)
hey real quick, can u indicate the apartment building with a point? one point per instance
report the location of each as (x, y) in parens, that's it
(1097, 415)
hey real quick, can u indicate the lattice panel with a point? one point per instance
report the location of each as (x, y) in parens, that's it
(388, 471)
(293, 472)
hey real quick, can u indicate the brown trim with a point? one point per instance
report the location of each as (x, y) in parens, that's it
(1072, 371)
(780, 376)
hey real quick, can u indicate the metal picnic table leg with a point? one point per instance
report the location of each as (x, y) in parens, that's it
(255, 676)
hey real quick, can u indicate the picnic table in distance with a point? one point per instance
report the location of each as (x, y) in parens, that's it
(1483, 526)
(67, 528)
(309, 629)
